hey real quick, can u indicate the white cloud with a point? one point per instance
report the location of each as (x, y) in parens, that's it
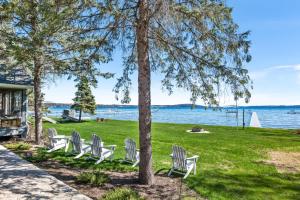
(261, 74)
(295, 67)
(274, 98)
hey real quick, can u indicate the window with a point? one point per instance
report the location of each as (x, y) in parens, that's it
(17, 101)
(10, 103)
(0, 102)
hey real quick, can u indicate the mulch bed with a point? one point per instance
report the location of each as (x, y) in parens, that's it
(164, 188)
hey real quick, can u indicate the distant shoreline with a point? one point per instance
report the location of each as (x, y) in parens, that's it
(177, 105)
(269, 116)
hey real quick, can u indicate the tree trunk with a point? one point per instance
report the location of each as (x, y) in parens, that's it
(38, 69)
(144, 82)
(38, 98)
(80, 114)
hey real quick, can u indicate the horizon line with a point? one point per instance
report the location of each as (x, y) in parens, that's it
(99, 104)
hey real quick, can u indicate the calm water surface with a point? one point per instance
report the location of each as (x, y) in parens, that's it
(269, 116)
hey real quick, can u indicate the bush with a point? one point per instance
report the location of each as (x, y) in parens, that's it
(20, 146)
(95, 178)
(122, 194)
(39, 156)
(298, 131)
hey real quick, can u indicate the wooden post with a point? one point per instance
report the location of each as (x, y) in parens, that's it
(243, 118)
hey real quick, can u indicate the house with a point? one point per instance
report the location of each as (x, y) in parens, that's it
(15, 85)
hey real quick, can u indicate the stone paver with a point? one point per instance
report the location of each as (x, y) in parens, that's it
(21, 180)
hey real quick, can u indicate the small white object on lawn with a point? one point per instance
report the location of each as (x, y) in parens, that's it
(190, 131)
(49, 120)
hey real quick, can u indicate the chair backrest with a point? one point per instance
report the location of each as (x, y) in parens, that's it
(179, 157)
(130, 148)
(76, 142)
(96, 145)
(52, 133)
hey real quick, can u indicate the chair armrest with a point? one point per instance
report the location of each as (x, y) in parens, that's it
(87, 142)
(113, 147)
(135, 149)
(193, 158)
(59, 137)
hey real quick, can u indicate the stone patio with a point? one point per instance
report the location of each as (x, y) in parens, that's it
(20, 179)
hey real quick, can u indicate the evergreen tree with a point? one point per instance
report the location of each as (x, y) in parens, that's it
(84, 100)
(195, 44)
(45, 38)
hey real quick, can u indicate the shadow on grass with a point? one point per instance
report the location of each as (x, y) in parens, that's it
(82, 163)
(247, 186)
(286, 135)
(65, 121)
(163, 171)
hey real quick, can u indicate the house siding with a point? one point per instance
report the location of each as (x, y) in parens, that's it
(16, 79)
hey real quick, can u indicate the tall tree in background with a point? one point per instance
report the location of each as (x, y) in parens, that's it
(44, 38)
(84, 100)
(195, 44)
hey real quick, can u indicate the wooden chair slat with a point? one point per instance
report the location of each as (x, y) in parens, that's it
(132, 154)
(76, 141)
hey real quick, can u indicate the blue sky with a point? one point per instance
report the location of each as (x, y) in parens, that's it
(274, 69)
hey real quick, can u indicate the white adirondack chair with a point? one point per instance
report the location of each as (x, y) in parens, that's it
(132, 154)
(56, 141)
(78, 145)
(182, 164)
(101, 152)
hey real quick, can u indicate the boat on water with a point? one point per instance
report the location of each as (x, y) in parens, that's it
(293, 112)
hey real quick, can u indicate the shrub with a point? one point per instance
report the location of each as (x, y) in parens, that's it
(20, 146)
(95, 178)
(38, 156)
(122, 194)
(298, 131)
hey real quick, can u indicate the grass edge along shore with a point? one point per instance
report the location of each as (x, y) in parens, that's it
(233, 162)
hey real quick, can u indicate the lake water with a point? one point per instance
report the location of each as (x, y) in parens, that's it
(269, 116)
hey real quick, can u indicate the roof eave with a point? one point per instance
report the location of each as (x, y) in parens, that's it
(15, 86)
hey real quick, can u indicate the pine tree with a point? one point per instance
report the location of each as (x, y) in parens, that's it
(45, 38)
(195, 44)
(84, 100)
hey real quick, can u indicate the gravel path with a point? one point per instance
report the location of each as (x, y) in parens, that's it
(21, 180)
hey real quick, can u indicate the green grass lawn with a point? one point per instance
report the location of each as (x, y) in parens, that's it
(231, 160)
